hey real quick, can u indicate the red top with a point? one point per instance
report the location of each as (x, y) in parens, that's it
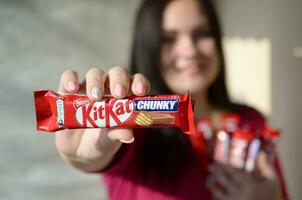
(124, 182)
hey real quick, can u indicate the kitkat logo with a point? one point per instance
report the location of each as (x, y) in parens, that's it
(101, 114)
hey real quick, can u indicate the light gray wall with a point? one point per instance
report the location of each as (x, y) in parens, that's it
(287, 87)
(38, 40)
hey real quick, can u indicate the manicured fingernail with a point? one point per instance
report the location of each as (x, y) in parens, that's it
(127, 141)
(140, 88)
(96, 93)
(119, 90)
(72, 86)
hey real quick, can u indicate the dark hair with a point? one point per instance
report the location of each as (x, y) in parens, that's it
(145, 59)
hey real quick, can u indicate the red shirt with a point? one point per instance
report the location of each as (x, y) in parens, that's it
(124, 182)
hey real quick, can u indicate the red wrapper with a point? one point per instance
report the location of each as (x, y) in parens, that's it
(230, 122)
(56, 112)
(239, 147)
(221, 149)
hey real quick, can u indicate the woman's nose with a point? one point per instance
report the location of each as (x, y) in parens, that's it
(186, 47)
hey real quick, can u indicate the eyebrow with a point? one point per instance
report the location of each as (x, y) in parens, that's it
(174, 32)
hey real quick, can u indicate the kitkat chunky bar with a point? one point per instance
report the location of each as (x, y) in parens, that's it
(56, 112)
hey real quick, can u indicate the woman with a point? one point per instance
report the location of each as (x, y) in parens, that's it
(177, 47)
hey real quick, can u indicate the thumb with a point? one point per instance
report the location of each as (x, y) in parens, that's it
(124, 135)
(265, 167)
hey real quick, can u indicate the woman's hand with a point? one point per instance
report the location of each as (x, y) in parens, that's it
(228, 183)
(93, 149)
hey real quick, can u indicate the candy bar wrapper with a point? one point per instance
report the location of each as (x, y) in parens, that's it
(56, 112)
(241, 147)
(221, 149)
(252, 154)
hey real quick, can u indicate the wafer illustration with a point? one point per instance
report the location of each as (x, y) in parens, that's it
(150, 118)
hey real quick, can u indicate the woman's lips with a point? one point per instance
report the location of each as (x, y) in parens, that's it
(191, 69)
(190, 65)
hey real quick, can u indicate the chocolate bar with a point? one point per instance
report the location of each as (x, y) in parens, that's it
(56, 112)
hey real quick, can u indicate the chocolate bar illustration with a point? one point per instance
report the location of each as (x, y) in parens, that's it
(150, 118)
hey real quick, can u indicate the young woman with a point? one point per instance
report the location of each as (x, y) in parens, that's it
(177, 47)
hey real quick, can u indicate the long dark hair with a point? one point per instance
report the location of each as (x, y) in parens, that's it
(145, 58)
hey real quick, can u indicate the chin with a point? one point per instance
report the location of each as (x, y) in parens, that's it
(196, 89)
(192, 87)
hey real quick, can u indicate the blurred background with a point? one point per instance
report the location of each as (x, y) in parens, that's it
(40, 38)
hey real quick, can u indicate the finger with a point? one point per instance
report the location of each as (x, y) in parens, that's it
(265, 167)
(95, 80)
(122, 134)
(69, 82)
(211, 181)
(236, 176)
(218, 194)
(226, 183)
(140, 85)
(119, 81)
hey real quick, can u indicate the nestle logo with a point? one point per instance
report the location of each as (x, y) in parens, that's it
(80, 102)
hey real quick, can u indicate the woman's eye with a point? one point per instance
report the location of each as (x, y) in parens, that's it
(202, 34)
(168, 40)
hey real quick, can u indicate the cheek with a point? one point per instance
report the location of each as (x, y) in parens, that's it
(166, 57)
(208, 47)
(166, 65)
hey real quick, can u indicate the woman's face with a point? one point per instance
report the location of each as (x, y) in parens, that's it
(189, 56)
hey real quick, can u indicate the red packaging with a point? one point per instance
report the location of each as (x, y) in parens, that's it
(56, 112)
(239, 148)
(204, 127)
(253, 150)
(230, 122)
(221, 149)
(271, 134)
(270, 137)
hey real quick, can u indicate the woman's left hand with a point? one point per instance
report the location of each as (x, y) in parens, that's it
(228, 183)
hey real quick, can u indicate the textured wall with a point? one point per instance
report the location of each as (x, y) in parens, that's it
(38, 40)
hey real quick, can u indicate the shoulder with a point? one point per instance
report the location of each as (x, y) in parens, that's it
(250, 117)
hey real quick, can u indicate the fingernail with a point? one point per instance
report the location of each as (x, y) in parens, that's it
(127, 141)
(140, 88)
(72, 86)
(119, 90)
(96, 93)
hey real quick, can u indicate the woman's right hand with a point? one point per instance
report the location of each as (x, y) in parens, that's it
(92, 149)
